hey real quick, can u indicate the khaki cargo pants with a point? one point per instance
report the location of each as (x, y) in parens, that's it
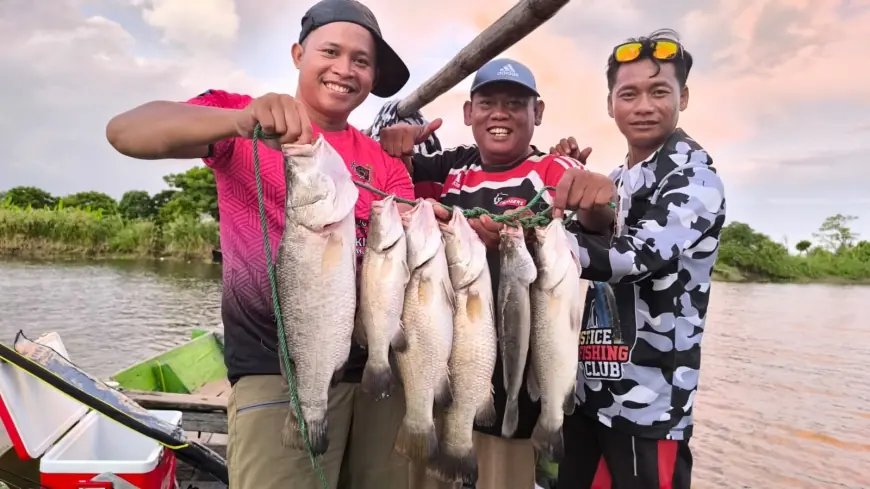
(362, 433)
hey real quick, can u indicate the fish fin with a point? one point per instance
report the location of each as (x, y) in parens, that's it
(332, 252)
(548, 443)
(400, 341)
(377, 380)
(443, 394)
(511, 418)
(569, 403)
(455, 467)
(532, 386)
(317, 434)
(486, 414)
(417, 445)
(337, 375)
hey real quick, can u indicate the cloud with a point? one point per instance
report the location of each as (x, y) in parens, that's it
(775, 82)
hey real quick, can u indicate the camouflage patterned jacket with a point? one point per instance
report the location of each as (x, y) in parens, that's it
(642, 380)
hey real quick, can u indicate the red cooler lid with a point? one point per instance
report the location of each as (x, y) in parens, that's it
(35, 414)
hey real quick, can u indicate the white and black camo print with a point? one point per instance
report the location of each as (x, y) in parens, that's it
(660, 263)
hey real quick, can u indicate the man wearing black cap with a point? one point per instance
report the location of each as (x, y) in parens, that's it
(341, 58)
(500, 173)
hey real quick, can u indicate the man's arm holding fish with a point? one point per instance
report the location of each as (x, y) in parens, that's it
(686, 209)
(205, 125)
(428, 172)
(593, 211)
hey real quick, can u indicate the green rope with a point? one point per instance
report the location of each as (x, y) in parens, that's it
(512, 219)
(282, 340)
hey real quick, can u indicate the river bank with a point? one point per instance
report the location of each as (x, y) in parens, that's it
(74, 234)
(69, 234)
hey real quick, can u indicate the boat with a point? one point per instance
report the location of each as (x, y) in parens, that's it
(190, 378)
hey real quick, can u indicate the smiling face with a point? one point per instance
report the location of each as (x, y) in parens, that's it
(646, 108)
(336, 66)
(503, 117)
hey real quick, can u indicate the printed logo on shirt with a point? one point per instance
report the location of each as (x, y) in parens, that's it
(364, 172)
(604, 351)
(504, 200)
(362, 231)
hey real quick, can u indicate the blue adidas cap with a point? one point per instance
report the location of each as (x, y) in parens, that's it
(504, 70)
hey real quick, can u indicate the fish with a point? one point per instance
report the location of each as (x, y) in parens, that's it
(557, 312)
(383, 278)
(518, 271)
(473, 352)
(427, 317)
(316, 280)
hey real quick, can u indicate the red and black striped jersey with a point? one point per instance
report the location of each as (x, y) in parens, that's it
(457, 176)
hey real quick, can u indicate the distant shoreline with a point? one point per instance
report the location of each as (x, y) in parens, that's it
(722, 274)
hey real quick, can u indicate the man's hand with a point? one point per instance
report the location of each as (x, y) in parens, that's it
(584, 190)
(279, 115)
(570, 148)
(399, 140)
(487, 230)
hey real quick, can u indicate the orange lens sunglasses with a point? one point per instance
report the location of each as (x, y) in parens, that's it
(662, 49)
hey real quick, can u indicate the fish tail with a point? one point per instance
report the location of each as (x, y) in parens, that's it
(416, 444)
(511, 418)
(316, 434)
(456, 467)
(548, 442)
(377, 380)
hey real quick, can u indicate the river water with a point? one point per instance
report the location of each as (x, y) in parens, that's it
(784, 400)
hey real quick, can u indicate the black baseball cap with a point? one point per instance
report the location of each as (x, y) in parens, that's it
(392, 74)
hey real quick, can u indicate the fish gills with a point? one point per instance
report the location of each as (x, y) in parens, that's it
(316, 269)
(384, 276)
(427, 317)
(557, 311)
(518, 271)
(473, 353)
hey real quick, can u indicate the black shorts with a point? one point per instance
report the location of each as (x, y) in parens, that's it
(598, 457)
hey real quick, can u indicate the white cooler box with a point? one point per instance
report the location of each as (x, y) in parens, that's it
(36, 416)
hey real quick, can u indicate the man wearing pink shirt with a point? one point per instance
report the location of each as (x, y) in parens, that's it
(341, 58)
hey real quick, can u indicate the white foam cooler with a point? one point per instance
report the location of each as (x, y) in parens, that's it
(76, 445)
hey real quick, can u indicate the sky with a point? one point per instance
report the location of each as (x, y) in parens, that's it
(779, 93)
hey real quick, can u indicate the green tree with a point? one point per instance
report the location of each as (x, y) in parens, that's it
(803, 245)
(95, 201)
(30, 196)
(137, 204)
(835, 233)
(196, 193)
(162, 198)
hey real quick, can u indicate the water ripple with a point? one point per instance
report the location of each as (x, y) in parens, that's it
(784, 400)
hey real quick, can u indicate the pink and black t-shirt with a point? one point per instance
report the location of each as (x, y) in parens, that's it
(247, 314)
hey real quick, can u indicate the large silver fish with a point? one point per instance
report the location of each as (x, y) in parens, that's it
(427, 317)
(316, 275)
(384, 276)
(557, 311)
(518, 271)
(473, 354)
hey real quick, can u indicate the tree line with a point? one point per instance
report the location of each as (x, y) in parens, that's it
(184, 217)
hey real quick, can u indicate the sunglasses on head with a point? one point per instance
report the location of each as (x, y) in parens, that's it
(661, 49)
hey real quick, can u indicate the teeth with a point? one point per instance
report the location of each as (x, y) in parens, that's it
(337, 88)
(498, 131)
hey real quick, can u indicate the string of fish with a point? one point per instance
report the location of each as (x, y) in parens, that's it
(512, 219)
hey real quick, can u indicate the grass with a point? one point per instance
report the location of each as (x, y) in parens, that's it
(76, 233)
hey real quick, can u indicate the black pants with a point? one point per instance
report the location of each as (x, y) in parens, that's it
(598, 457)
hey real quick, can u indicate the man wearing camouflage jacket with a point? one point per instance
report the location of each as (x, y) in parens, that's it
(636, 385)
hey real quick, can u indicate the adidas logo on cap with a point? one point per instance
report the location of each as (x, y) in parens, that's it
(507, 70)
